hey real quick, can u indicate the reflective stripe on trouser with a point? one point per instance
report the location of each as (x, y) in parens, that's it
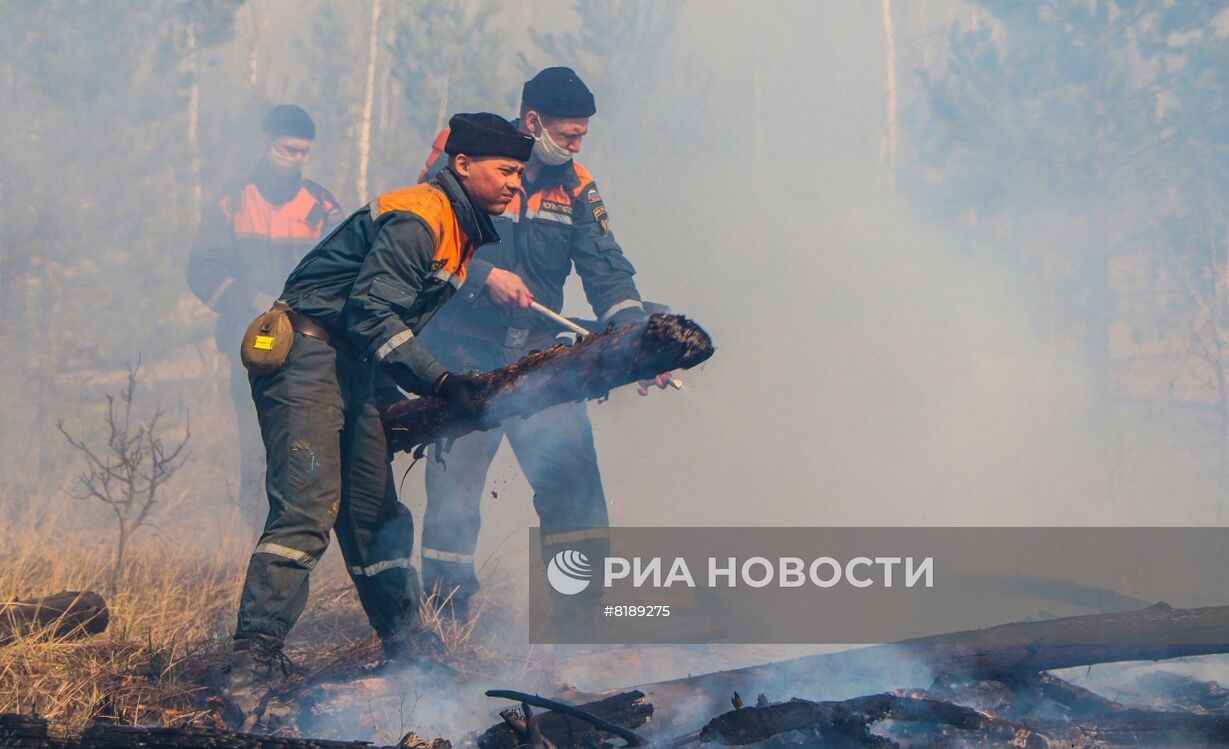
(327, 470)
(555, 450)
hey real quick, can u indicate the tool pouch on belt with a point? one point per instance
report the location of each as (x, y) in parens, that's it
(266, 342)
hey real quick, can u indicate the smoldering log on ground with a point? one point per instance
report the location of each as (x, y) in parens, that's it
(590, 369)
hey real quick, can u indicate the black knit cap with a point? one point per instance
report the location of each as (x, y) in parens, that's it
(558, 92)
(287, 119)
(486, 134)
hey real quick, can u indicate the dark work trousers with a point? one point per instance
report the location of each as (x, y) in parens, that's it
(555, 450)
(327, 470)
(251, 489)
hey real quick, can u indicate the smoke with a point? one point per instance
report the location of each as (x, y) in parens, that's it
(871, 367)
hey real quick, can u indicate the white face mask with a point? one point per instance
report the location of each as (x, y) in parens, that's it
(547, 151)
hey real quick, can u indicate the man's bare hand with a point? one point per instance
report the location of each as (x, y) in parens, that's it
(505, 287)
(662, 381)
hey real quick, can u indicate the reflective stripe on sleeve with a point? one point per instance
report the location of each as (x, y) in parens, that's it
(372, 570)
(617, 307)
(558, 218)
(447, 556)
(393, 343)
(294, 555)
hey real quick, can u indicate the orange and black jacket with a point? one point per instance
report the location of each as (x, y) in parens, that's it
(381, 275)
(555, 223)
(252, 237)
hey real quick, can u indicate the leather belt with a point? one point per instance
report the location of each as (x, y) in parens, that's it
(507, 337)
(309, 327)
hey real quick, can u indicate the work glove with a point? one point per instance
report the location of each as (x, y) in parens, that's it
(461, 392)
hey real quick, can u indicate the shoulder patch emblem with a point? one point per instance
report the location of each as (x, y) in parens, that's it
(599, 215)
(593, 196)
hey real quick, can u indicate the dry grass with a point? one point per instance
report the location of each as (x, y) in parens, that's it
(171, 608)
(171, 616)
(170, 622)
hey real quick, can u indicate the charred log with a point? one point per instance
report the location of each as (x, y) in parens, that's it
(627, 710)
(1155, 633)
(1020, 695)
(24, 730)
(591, 368)
(68, 614)
(849, 722)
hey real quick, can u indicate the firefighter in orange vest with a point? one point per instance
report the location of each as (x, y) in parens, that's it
(358, 301)
(250, 239)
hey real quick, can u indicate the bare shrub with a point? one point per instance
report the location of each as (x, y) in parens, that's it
(127, 471)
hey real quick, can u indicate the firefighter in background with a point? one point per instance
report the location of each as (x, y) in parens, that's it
(557, 221)
(250, 239)
(357, 302)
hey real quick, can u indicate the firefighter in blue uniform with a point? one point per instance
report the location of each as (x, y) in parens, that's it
(557, 221)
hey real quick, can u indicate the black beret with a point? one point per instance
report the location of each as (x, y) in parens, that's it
(287, 119)
(558, 92)
(486, 134)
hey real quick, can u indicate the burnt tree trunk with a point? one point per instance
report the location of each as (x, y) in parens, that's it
(591, 368)
(68, 614)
